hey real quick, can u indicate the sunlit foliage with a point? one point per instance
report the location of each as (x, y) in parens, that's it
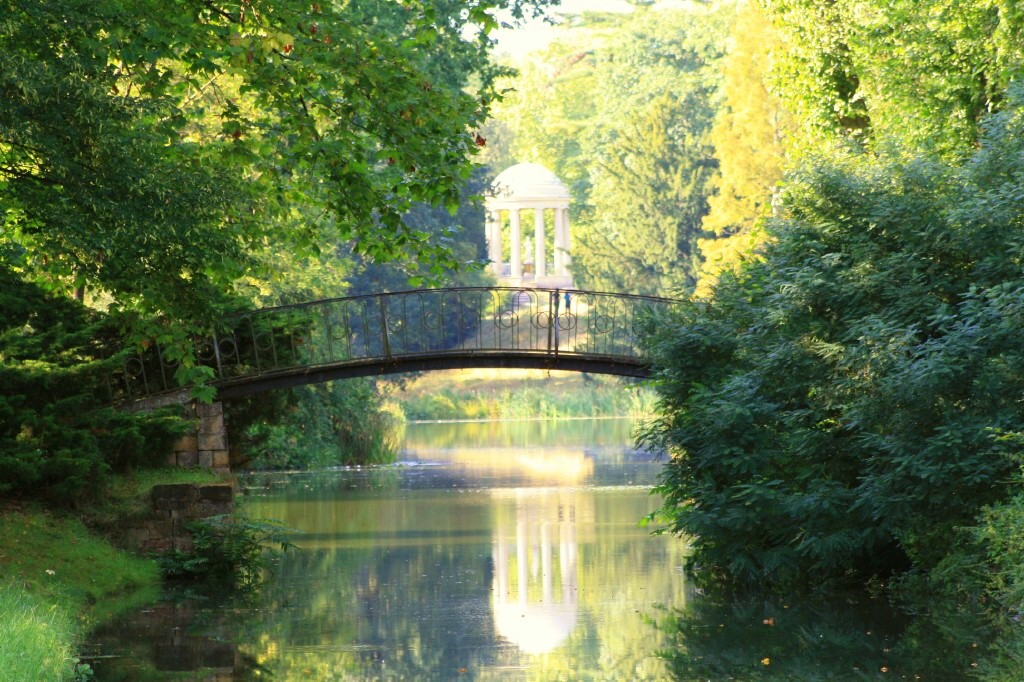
(153, 151)
(750, 135)
(914, 75)
(841, 407)
(620, 108)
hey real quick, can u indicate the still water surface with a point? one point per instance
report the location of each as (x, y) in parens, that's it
(496, 550)
(501, 551)
(505, 551)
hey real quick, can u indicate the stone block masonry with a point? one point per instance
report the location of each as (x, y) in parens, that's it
(174, 507)
(207, 445)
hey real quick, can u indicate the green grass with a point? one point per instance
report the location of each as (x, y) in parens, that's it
(56, 578)
(59, 576)
(58, 559)
(36, 638)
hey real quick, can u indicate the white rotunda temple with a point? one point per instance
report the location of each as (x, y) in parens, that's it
(529, 186)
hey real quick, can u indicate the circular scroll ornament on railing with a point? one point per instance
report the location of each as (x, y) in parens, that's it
(566, 322)
(507, 319)
(541, 319)
(600, 324)
(432, 320)
(638, 326)
(472, 318)
(264, 341)
(134, 368)
(204, 350)
(394, 323)
(340, 330)
(227, 346)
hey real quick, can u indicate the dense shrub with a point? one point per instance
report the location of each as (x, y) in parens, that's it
(229, 551)
(314, 426)
(851, 397)
(59, 433)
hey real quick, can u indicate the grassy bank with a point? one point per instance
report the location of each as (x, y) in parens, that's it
(519, 394)
(60, 575)
(38, 638)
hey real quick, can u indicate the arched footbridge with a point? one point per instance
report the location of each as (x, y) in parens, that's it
(557, 329)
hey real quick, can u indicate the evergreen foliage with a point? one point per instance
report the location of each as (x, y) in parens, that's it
(650, 194)
(59, 434)
(844, 404)
(620, 109)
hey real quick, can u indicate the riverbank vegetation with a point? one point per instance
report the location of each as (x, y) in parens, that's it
(39, 640)
(60, 574)
(57, 579)
(841, 403)
(518, 394)
(164, 165)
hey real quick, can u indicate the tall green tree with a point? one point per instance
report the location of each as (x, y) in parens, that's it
(620, 108)
(842, 406)
(650, 194)
(152, 151)
(913, 75)
(750, 134)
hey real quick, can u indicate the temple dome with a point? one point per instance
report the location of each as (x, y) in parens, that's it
(528, 182)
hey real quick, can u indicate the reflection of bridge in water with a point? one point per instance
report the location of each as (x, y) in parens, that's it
(339, 338)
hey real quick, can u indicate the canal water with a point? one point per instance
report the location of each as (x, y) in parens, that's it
(505, 551)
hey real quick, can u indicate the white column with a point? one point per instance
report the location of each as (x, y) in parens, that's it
(494, 241)
(517, 247)
(563, 213)
(539, 263)
(559, 244)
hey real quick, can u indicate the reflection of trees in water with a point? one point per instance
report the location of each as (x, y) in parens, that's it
(539, 433)
(166, 640)
(339, 613)
(320, 483)
(834, 637)
(395, 583)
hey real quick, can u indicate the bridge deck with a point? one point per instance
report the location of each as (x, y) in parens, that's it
(412, 331)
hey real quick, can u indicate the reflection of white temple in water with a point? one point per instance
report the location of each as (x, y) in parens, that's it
(534, 593)
(535, 590)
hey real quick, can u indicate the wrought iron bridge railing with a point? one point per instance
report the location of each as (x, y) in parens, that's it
(404, 331)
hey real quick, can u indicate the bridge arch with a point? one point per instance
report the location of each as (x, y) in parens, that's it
(426, 329)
